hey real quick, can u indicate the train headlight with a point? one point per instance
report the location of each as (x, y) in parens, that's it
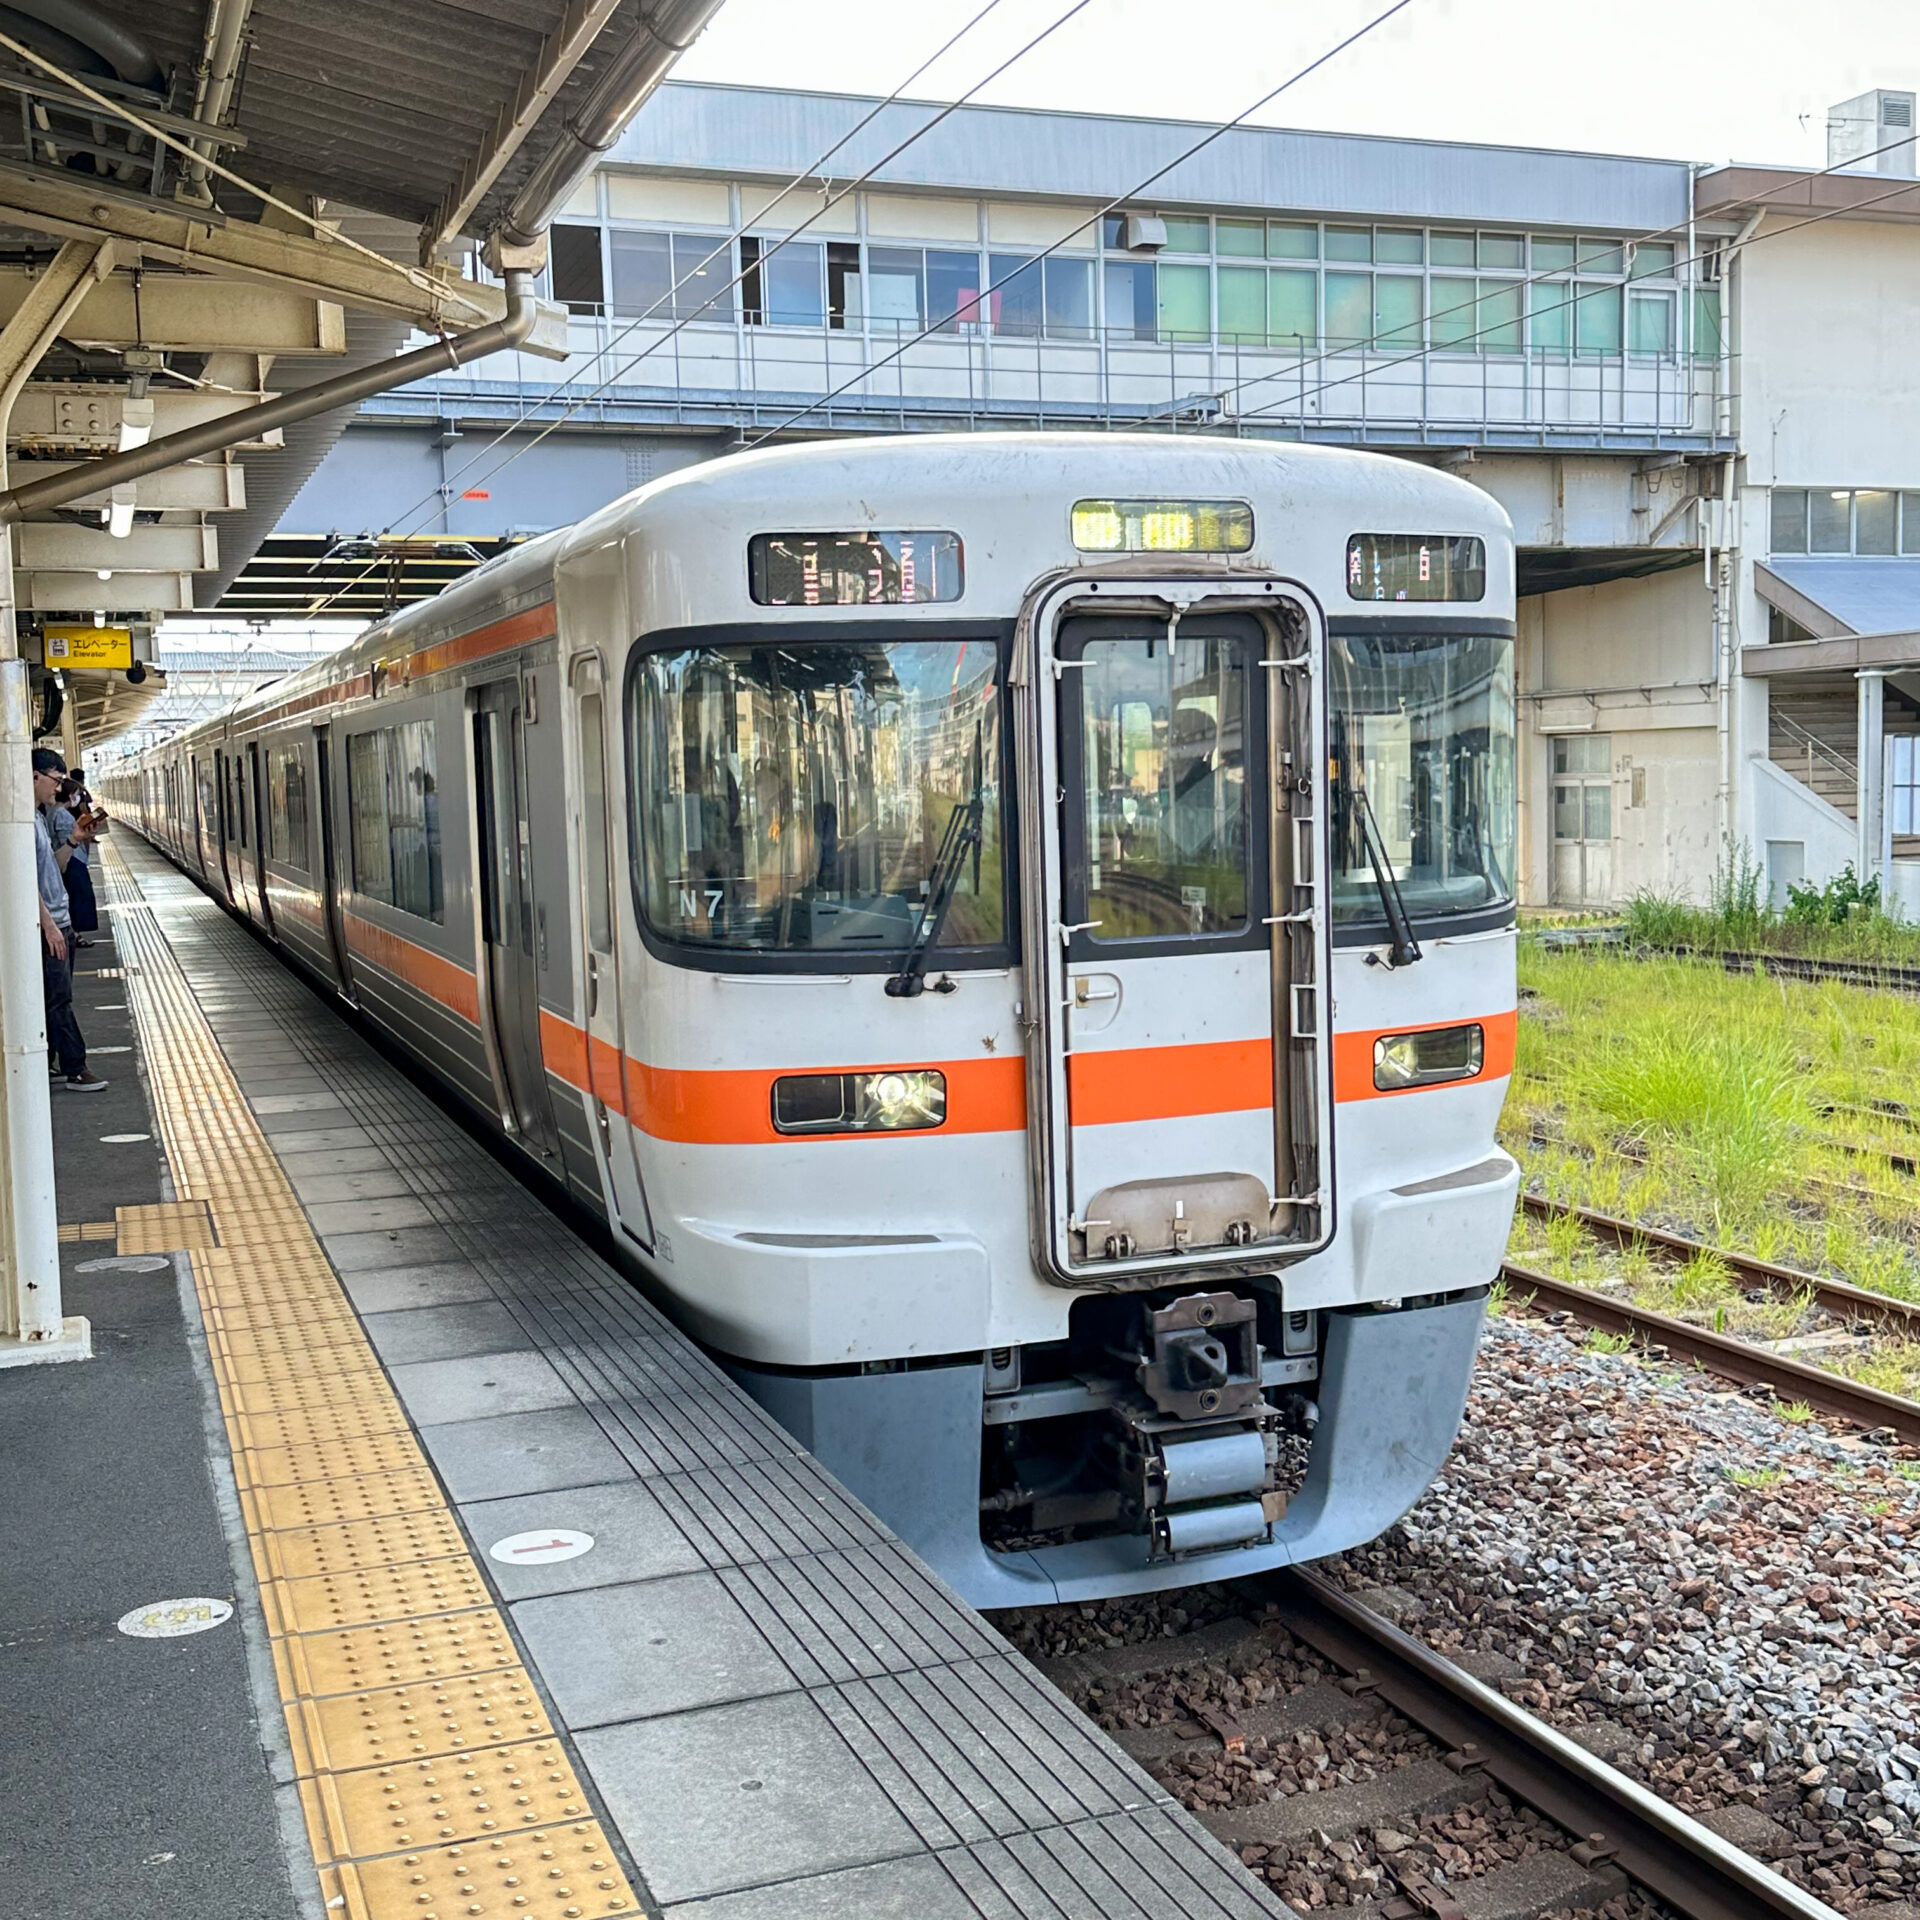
(1428, 1059)
(898, 1100)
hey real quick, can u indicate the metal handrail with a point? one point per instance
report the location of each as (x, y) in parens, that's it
(1805, 737)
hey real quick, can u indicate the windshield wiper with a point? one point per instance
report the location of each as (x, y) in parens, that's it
(965, 833)
(1405, 949)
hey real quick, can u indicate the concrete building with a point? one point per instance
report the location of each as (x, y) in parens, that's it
(1633, 356)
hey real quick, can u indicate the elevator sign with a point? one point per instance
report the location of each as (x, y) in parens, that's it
(87, 646)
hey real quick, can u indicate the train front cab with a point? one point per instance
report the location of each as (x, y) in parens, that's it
(1189, 1278)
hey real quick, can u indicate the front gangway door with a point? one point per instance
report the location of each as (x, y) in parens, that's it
(1175, 949)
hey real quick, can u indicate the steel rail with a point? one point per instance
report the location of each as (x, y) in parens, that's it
(1735, 1360)
(1844, 1302)
(1675, 1858)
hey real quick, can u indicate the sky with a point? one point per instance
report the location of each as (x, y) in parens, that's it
(1681, 79)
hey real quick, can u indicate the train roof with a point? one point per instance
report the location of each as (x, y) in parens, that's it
(901, 480)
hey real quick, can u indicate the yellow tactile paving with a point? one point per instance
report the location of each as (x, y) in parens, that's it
(167, 1226)
(431, 1779)
(379, 1725)
(431, 1803)
(559, 1873)
(76, 1231)
(316, 1503)
(366, 1594)
(375, 1540)
(394, 1653)
(328, 1460)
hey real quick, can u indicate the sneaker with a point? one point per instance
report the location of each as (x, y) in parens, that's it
(82, 1083)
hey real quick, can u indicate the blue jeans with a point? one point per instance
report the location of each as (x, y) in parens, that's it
(63, 1031)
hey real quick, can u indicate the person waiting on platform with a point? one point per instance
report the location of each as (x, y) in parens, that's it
(69, 1049)
(74, 826)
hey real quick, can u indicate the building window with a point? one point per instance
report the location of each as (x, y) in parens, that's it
(1349, 321)
(1873, 521)
(670, 277)
(1596, 318)
(1451, 250)
(1131, 311)
(1292, 240)
(1502, 250)
(895, 286)
(1453, 326)
(1550, 316)
(782, 286)
(1650, 323)
(1499, 325)
(1240, 238)
(577, 280)
(1903, 777)
(1017, 304)
(1789, 520)
(1185, 235)
(1829, 521)
(1349, 243)
(1552, 256)
(1186, 302)
(1706, 323)
(393, 807)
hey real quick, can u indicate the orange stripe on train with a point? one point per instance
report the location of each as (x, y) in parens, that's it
(733, 1106)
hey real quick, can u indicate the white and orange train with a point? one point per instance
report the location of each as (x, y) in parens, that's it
(1014, 933)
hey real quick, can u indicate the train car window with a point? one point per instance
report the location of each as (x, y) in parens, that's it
(795, 798)
(287, 808)
(1422, 736)
(367, 816)
(1167, 810)
(413, 819)
(393, 802)
(299, 841)
(593, 811)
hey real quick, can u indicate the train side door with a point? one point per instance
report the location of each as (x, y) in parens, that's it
(223, 816)
(330, 896)
(259, 821)
(508, 930)
(1180, 1071)
(609, 1097)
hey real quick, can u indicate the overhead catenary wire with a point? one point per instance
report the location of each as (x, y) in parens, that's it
(670, 298)
(1119, 200)
(986, 291)
(424, 282)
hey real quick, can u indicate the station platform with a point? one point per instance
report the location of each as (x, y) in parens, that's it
(358, 1385)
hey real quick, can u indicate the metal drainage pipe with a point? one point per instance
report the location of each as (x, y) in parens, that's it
(230, 429)
(660, 39)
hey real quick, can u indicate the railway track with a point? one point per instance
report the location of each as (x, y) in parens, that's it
(1467, 1774)
(1738, 1361)
(1888, 976)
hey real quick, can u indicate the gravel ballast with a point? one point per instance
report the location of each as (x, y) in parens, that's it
(1719, 1599)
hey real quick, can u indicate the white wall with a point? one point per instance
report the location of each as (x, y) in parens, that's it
(1632, 659)
(1825, 330)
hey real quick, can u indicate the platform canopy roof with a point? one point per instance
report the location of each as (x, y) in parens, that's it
(206, 203)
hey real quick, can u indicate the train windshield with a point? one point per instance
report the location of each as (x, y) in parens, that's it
(793, 798)
(1422, 729)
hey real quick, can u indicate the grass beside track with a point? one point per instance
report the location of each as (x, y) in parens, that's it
(1729, 1108)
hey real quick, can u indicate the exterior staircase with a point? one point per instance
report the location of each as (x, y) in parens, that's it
(1813, 734)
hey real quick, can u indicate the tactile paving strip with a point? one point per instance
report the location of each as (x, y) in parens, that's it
(167, 1226)
(432, 1782)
